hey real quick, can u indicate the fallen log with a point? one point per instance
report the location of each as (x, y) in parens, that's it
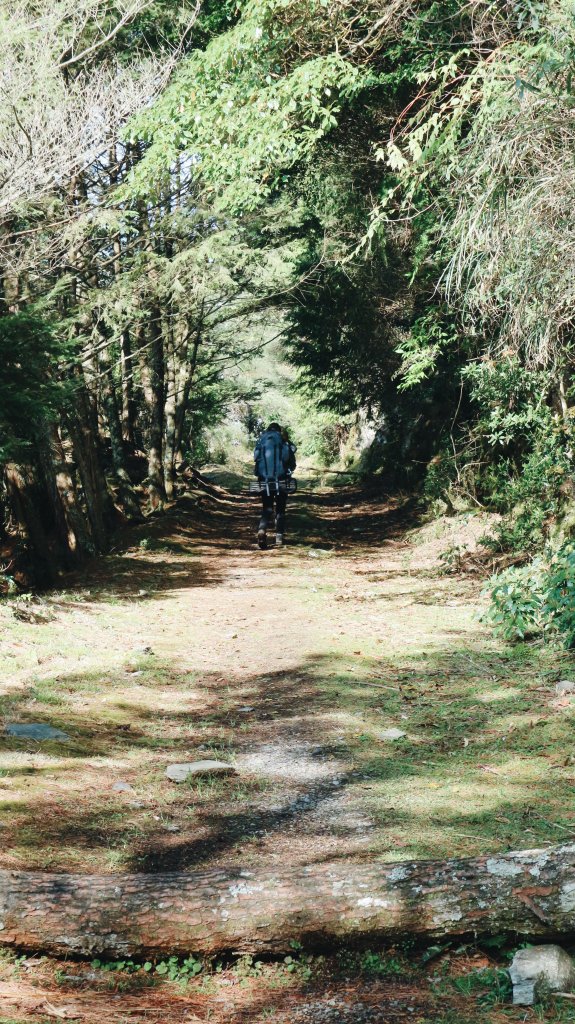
(531, 893)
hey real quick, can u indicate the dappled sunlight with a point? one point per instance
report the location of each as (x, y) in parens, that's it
(296, 671)
(488, 696)
(287, 508)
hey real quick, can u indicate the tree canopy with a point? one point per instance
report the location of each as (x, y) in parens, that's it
(387, 187)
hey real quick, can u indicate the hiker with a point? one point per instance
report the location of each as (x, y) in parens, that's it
(274, 459)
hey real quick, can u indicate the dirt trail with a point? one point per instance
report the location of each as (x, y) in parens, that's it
(187, 642)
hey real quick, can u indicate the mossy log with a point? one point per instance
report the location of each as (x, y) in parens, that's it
(531, 892)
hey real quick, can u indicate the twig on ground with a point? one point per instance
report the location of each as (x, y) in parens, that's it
(376, 686)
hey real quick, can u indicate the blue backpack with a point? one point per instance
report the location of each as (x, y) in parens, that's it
(274, 458)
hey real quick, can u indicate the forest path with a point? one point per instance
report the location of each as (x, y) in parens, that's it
(187, 642)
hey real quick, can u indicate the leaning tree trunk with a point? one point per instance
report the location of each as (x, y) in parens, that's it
(531, 893)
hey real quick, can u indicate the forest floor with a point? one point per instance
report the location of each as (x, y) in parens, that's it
(187, 642)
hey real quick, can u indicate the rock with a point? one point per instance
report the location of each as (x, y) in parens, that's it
(564, 686)
(540, 966)
(198, 769)
(35, 731)
(246, 709)
(391, 735)
(122, 787)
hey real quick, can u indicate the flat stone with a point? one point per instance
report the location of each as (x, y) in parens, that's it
(549, 967)
(391, 735)
(197, 769)
(35, 731)
(122, 787)
(565, 686)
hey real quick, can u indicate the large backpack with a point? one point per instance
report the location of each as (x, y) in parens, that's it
(273, 457)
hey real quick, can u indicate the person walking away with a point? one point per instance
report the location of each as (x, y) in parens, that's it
(274, 462)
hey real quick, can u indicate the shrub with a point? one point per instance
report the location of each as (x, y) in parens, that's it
(517, 601)
(538, 598)
(559, 606)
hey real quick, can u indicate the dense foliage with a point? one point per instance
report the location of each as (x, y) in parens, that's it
(387, 187)
(536, 599)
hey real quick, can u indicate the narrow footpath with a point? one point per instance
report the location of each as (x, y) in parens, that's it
(366, 711)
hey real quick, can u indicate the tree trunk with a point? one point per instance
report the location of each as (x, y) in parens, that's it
(170, 405)
(127, 409)
(184, 385)
(531, 893)
(21, 487)
(152, 375)
(128, 405)
(63, 538)
(75, 529)
(126, 491)
(83, 434)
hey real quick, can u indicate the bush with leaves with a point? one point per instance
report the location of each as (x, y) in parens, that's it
(520, 450)
(517, 599)
(536, 599)
(559, 605)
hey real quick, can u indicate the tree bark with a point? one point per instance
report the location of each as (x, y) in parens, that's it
(152, 376)
(185, 380)
(62, 537)
(531, 892)
(21, 486)
(170, 405)
(126, 491)
(82, 428)
(73, 525)
(151, 357)
(128, 404)
(127, 408)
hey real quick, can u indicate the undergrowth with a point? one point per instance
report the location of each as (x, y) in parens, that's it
(537, 599)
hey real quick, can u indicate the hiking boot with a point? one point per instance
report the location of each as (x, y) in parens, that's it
(279, 540)
(262, 539)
